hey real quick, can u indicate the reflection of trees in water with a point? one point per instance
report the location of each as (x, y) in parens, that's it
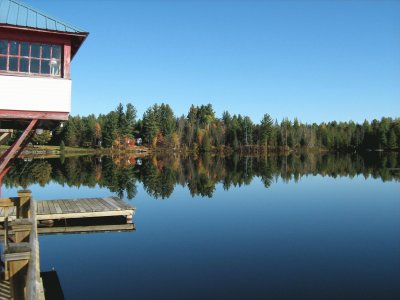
(199, 174)
(38, 171)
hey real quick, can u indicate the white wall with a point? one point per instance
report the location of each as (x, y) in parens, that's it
(35, 94)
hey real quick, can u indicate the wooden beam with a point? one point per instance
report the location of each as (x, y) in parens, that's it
(16, 257)
(27, 114)
(22, 229)
(3, 136)
(86, 229)
(14, 148)
(23, 209)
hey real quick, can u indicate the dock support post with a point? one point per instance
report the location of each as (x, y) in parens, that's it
(18, 254)
(23, 207)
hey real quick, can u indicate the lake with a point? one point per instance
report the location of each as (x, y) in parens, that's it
(320, 226)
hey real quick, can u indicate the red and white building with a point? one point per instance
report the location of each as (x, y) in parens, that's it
(35, 57)
(36, 51)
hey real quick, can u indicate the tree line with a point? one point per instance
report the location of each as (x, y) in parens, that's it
(201, 130)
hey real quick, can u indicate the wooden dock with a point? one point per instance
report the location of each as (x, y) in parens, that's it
(21, 219)
(77, 209)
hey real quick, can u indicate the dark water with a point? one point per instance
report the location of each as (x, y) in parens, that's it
(297, 227)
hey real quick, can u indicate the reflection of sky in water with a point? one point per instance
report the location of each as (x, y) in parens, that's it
(321, 238)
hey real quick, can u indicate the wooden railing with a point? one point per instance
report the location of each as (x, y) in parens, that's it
(21, 256)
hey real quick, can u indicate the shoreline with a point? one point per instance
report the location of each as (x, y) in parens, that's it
(143, 151)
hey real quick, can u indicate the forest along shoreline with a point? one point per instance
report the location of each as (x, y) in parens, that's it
(201, 131)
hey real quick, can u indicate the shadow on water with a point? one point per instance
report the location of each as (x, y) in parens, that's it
(159, 174)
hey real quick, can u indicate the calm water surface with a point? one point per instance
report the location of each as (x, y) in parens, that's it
(298, 227)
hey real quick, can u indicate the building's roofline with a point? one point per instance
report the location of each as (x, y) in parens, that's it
(16, 13)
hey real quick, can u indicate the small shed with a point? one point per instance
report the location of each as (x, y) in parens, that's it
(35, 54)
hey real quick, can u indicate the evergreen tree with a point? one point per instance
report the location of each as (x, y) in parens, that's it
(110, 129)
(392, 139)
(130, 117)
(265, 129)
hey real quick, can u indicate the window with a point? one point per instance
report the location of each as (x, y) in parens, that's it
(31, 58)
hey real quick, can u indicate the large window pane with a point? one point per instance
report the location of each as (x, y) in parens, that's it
(56, 52)
(14, 47)
(45, 51)
(35, 50)
(45, 67)
(3, 46)
(13, 64)
(3, 63)
(55, 67)
(24, 49)
(24, 65)
(35, 65)
(33, 58)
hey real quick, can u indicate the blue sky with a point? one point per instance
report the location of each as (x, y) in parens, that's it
(315, 60)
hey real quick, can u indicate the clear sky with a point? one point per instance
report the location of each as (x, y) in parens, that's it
(315, 60)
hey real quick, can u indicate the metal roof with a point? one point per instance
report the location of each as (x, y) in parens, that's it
(13, 12)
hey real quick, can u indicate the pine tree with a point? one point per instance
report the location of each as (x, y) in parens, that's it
(265, 129)
(392, 139)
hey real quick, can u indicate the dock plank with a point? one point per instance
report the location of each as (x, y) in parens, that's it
(93, 204)
(73, 206)
(67, 206)
(106, 204)
(121, 204)
(80, 206)
(112, 203)
(51, 207)
(86, 206)
(62, 205)
(102, 205)
(46, 208)
(57, 207)
(39, 207)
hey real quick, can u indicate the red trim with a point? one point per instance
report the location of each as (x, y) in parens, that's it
(43, 36)
(67, 61)
(25, 114)
(41, 33)
(32, 36)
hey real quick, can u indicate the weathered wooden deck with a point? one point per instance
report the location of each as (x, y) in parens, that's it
(77, 208)
(21, 216)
